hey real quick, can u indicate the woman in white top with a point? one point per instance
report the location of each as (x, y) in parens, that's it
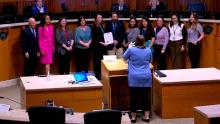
(195, 35)
(177, 38)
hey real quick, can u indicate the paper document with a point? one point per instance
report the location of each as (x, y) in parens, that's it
(109, 58)
(108, 38)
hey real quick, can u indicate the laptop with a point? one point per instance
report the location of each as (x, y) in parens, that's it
(80, 77)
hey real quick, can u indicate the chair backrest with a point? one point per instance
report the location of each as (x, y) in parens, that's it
(197, 6)
(46, 115)
(103, 117)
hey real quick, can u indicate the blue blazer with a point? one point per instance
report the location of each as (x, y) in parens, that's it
(35, 9)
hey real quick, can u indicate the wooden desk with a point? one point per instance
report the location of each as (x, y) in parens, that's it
(19, 116)
(207, 114)
(82, 98)
(176, 95)
(116, 94)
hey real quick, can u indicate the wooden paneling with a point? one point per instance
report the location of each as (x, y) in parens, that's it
(79, 100)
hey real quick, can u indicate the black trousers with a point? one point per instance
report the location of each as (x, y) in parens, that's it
(30, 65)
(82, 59)
(97, 57)
(140, 96)
(194, 54)
(160, 58)
(64, 63)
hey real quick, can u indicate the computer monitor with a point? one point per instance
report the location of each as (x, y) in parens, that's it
(204, 15)
(182, 14)
(141, 13)
(105, 14)
(217, 15)
(165, 14)
(7, 19)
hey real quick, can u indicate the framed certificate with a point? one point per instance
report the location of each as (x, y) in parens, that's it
(108, 37)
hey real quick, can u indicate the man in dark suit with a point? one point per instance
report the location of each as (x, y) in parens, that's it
(118, 31)
(39, 7)
(121, 8)
(30, 47)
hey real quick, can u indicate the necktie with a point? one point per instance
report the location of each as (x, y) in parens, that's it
(34, 32)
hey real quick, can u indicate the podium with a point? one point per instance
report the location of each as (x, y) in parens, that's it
(116, 94)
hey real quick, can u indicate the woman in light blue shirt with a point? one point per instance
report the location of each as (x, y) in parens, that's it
(83, 39)
(195, 35)
(139, 77)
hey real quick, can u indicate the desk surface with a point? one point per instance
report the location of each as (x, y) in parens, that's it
(210, 111)
(22, 116)
(117, 65)
(58, 82)
(189, 75)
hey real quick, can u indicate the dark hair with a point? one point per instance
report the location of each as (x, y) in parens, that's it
(161, 17)
(178, 18)
(59, 25)
(140, 42)
(114, 13)
(43, 21)
(195, 15)
(149, 25)
(136, 25)
(79, 20)
(97, 14)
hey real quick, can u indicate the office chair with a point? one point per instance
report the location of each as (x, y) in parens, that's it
(46, 115)
(103, 117)
(197, 6)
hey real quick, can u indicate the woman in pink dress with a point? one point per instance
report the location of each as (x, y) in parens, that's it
(46, 42)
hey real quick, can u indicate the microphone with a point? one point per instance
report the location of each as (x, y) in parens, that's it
(2, 97)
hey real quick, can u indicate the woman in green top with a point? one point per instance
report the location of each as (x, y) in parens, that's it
(83, 39)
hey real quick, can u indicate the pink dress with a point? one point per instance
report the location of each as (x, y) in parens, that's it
(46, 43)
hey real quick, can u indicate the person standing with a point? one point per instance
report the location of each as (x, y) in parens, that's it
(131, 33)
(148, 32)
(64, 38)
(139, 77)
(46, 42)
(161, 42)
(118, 31)
(195, 35)
(83, 40)
(121, 8)
(98, 45)
(178, 35)
(39, 7)
(30, 47)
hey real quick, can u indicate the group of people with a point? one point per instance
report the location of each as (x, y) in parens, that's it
(137, 44)
(147, 43)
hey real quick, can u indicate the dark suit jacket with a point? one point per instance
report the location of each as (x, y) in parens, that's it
(29, 42)
(118, 35)
(35, 10)
(97, 36)
(125, 12)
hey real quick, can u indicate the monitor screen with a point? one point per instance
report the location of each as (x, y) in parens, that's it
(80, 77)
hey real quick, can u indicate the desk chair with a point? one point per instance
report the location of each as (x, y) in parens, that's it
(103, 117)
(46, 115)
